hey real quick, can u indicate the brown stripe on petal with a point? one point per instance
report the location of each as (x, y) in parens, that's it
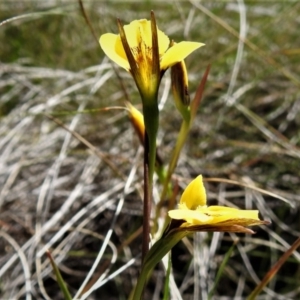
(131, 59)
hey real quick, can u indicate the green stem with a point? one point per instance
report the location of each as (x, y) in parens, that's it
(151, 116)
(221, 270)
(155, 255)
(183, 133)
(60, 281)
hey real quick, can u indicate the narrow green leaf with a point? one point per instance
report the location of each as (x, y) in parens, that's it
(59, 278)
(155, 255)
(167, 282)
(221, 270)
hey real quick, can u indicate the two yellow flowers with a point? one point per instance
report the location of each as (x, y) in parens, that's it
(146, 52)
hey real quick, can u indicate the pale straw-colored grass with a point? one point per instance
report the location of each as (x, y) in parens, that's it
(71, 172)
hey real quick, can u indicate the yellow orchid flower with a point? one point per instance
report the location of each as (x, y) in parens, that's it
(194, 212)
(139, 37)
(144, 50)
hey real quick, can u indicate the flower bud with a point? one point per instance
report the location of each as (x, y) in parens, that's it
(179, 79)
(137, 121)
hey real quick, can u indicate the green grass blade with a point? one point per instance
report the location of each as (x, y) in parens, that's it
(221, 270)
(59, 278)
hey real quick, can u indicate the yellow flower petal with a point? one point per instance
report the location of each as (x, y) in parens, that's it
(190, 216)
(136, 32)
(178, 53)
(234, 212)
(216, 215)
(194, 195)
(163, 42)
(140, 31)
(113, 48)
(224, 214)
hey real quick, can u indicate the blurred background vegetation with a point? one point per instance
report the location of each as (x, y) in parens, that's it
(57, 193)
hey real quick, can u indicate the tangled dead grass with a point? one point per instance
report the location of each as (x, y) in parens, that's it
(75, 188)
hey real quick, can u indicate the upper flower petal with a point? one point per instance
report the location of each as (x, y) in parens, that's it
(113, 48)
(163, 42)
(178, 53)
(139, 31)
(194, 195)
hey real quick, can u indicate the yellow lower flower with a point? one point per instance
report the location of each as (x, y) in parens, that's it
(194, 212)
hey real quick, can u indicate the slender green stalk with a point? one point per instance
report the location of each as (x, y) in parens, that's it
(181, 138)
(151, 116)
(221, 270)
(60, 281)
(167, 282)
(188, 115)
(182, 135)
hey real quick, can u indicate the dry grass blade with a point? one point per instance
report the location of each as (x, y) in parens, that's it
(24, 262)
(253, 187)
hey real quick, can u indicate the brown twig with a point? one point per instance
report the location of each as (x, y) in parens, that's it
(274, 270)
(87, 20)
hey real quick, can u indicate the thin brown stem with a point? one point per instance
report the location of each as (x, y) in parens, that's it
(274, 270)
(87, 20)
